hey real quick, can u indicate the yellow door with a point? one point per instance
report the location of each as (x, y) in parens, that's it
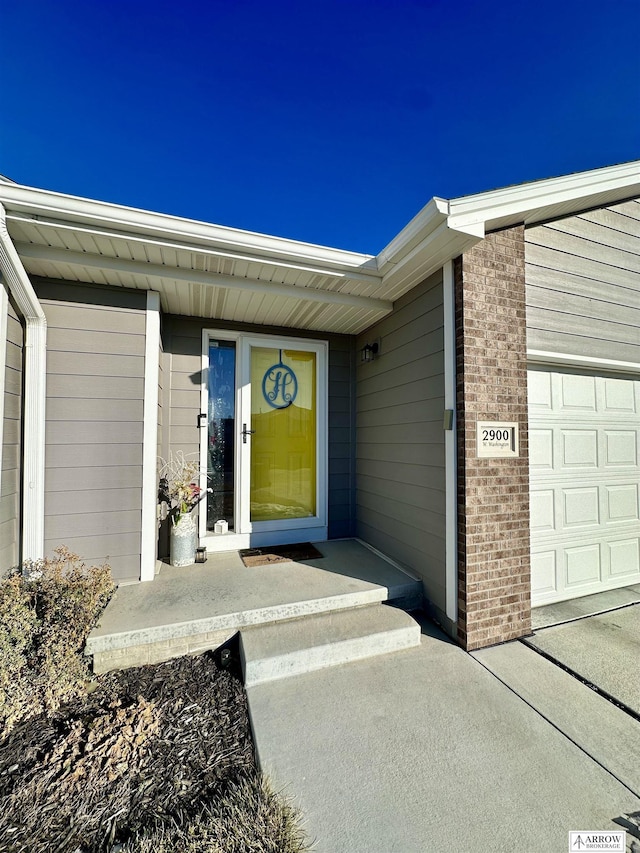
(283, 475)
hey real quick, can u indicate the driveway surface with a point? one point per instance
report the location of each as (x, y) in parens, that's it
(430, 749)
(602, 649)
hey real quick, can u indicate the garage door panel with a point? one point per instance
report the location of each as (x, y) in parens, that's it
(585, 483)
(624, 556)
(583, 566)
(580, 507)
(544, 584)
(621, 503)
(577, 393)
(541, 449)
(592, 508)
(579, 448)
(542, 508)
(620, 448)
(620, 395)
(539, 390)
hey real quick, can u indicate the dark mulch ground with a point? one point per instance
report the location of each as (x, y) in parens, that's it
(145, 750)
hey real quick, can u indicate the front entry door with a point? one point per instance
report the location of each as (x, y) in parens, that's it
(266, 443)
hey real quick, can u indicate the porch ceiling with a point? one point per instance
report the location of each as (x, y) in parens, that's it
(333, 292)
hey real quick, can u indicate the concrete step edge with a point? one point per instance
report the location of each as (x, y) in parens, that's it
(313, 658)
(97, 642)
(299, 645)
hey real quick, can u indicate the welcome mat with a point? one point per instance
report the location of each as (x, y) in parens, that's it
(279, 554)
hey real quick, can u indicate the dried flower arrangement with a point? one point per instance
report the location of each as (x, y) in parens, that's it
(178, 488)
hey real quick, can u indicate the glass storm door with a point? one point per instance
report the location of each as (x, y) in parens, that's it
(266, 442)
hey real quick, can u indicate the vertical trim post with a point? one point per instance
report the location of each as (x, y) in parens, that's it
(35, 377)
(149, 527)
(450, 446)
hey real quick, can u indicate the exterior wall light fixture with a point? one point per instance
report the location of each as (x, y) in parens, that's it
(370, 351)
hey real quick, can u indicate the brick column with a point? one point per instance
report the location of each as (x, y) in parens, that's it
(494, 574)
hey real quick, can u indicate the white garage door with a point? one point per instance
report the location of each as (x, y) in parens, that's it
(585, 480)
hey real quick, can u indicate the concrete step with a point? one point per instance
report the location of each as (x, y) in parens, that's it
(189, 610)
(153, 643)
(284, 649)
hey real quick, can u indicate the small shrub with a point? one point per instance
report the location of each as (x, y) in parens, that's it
(47, 609)
(18, 624)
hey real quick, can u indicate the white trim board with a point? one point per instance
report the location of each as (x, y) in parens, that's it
(565, 359)
(450, 444)
(150, 439)
(35, 395)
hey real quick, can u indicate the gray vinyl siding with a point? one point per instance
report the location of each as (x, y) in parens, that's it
(95, 400)
(583, 284)
(10, 496)
(400, 457)
(183, 350)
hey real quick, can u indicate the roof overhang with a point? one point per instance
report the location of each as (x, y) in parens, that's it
(547, 199)
(444, 229)
(199, 269)
(215, 272)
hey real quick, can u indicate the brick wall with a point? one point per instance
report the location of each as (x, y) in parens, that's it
(494, 589)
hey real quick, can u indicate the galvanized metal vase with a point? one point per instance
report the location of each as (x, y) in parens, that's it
(183, 540)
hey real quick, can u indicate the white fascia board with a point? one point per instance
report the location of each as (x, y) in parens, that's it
(414, 233)
(437, 248)
(143, 268)
(35, 371)
(523, 199)
(37, 202)
(424, 245)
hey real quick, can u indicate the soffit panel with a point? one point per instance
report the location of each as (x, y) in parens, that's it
(196, 298)
(67, 236)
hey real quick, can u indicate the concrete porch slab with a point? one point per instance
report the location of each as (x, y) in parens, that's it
(204, 604)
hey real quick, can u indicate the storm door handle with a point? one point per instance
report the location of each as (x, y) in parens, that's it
(246, 432)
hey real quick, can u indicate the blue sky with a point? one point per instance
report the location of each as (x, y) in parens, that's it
(330, 122)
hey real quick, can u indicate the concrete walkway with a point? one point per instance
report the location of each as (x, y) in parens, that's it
(430, 750)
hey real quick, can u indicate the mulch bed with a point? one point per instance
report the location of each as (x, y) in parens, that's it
(145, 749)
(252, 557)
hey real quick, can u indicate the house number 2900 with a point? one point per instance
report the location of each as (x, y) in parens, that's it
(496, 439)
(495, 435)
